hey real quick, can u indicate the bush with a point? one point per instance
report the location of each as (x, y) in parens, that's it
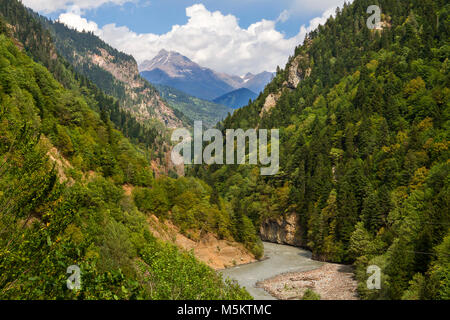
(310, 295)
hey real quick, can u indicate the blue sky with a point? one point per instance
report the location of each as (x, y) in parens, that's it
(234, 36)
(158, 16)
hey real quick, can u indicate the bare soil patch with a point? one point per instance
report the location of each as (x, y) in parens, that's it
(216, 253)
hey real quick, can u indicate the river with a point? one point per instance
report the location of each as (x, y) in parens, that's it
(279, 259)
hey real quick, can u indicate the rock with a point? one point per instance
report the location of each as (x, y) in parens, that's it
(271, 102)
(282, 230)
(298, 71)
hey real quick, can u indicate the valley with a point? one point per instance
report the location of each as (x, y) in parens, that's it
(359, 119)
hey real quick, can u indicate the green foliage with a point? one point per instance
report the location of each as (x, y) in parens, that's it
(53, 44)
(153, 200)
(364, 165)
(310, 295)
(176, 277)
(61, 173)
(194, 108)
(189, 203)
(364, 146)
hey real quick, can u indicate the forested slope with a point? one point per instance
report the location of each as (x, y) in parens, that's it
(63, 162)
(195, 109)
(364, 147)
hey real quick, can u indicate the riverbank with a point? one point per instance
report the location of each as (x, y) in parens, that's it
(279, 259)
(330, 281)
(287, 272)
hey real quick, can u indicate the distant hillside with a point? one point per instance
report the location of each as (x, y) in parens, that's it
(195, 109)
(237, 98)
(257, 83)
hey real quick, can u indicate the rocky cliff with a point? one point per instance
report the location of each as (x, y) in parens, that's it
(282, 230)
(298, 71)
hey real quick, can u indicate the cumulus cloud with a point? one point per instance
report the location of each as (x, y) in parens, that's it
(48, 6)
(211, 39)
(77, 22)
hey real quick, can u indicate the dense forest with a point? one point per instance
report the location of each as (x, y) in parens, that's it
(364, 147)
(63, 161)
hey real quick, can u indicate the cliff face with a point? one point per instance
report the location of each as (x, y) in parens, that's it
(282, 230)
(137, 95)
(298, 71)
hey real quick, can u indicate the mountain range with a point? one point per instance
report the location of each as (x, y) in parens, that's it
(172, 69)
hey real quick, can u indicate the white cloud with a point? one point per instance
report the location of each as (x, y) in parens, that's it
(75, 21)
(284, 16)
(209, 38)
(48, 6)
